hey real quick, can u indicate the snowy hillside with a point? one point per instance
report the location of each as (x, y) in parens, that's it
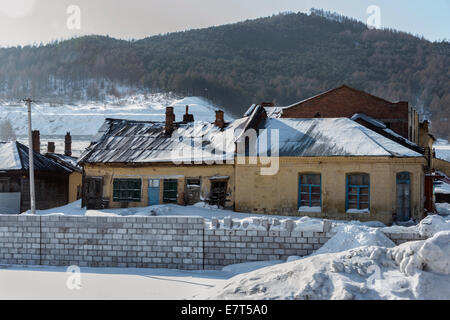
(442, 148)
(86, 118)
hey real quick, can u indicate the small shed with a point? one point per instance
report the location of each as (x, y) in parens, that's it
(51, 180)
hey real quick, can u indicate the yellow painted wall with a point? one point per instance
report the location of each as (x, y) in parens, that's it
(109, 173)
(442, 165)
(75, 181)
(278, 194)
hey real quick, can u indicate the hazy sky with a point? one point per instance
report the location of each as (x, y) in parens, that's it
(34, 21)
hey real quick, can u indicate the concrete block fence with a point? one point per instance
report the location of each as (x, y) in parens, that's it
(399, 238)
(148, 242)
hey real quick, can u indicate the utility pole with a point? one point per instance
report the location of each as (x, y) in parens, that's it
(30, 159)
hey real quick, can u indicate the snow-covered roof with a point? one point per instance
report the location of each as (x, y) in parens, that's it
(67, 161)
(125, 141)
(14, 156)
(383, 127)
(9, 156)
(322, 137)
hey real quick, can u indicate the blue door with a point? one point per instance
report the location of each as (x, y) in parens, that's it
(153, 192)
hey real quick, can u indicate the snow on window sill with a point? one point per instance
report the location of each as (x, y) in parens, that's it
(310, 209)
(358, 211)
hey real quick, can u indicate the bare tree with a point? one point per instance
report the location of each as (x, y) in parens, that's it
(7, 131)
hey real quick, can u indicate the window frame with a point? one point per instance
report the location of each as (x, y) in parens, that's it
(120, 199)
(310, 193)
(166, 198)
(358, 194)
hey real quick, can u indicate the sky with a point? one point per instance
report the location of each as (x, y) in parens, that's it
(25, 22)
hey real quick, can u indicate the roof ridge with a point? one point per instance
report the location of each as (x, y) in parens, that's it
(337, 88)
(361, 128)
(19, 153)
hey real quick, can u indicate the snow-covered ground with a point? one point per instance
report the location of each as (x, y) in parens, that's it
(49, 283)
(442, 148)
(414, 270)
(358, 262)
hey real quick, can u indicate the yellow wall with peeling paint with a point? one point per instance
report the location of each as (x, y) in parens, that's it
(249, 191)
(75, 181)
(278, 194)
(181, 173)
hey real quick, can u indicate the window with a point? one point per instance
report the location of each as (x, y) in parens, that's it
(153, 183)
(127, 190)
(4, 185)
(310, 190)
(358, 192)
(170, 194)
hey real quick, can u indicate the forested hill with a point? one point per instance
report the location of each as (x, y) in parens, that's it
(283, 58)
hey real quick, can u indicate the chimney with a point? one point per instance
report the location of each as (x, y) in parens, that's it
(36, 138)
(188, 117)
(219, 119)
(68, 144)
(51, 147)
(170, 119)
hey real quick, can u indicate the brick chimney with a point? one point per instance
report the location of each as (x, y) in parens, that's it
(36, 138)
(68, 144)
(170, 119)
(219, 119)
(188, 117)
(51, 147)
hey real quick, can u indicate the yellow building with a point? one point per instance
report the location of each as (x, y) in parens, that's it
(331, 168)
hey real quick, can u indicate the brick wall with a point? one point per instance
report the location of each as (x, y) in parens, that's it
(225, 247)
(149, 242)
(141, 242)
(399, 238)
(345, 102)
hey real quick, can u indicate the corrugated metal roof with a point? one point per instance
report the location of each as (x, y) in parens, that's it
(41, 163)
(125, 141)
(14, 156)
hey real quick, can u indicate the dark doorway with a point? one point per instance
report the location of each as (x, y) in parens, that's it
(192, 193)
(94, 193)
(218, 193)
(403, 196)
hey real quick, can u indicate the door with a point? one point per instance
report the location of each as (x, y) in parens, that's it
(192, 191)
(403, 196)
(170, 194)
(94, 192)
(218, 193)
(153, 192)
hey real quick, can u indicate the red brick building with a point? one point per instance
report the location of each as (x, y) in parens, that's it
(345, 101)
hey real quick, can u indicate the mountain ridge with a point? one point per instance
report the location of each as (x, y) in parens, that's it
(283, 58)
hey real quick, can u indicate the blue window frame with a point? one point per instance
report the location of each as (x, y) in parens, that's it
(357, 192)
(310, 190)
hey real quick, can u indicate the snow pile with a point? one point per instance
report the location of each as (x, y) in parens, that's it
(442, 187)
(432, 225)
(414, 270)
(443, 208)
(432, 255)
(429, 226)
(354, 236)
